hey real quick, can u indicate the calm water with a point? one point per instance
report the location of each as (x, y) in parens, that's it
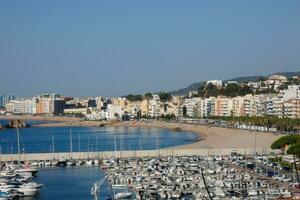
(74, 183)
(39, 139)
(70, 183)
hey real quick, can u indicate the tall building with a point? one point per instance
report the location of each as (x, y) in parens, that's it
(44, 106)
(154, 110)
(58, 106)
(223, 106)
(4, 99)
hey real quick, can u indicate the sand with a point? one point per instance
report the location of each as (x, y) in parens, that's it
(215, 137)
(208, 137)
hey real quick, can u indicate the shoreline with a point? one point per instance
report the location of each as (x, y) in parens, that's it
(41, 118)
(213, 137)
(207, 137)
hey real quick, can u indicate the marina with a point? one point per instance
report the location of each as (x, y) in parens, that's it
(195, 177)
(233, 176)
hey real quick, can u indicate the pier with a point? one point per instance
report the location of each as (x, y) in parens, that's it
(133, 153)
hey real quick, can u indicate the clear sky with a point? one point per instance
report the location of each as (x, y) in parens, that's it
(111, 48)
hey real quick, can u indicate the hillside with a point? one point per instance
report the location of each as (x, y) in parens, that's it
(195, 86)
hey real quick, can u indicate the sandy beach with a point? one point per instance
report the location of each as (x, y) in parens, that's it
(209, 137)
(214, 137)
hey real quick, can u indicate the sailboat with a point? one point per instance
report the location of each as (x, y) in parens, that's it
(27, 168)
(71, 162)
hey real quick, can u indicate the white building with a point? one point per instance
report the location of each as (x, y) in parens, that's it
(22, 106)
(192, 107)
(114, 112)
(253, 84)
(96, 115)
(275, 81)
(217, 83)
(154, 106)
(293, 91)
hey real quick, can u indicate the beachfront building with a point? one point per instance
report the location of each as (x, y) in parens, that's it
(251, 106)
(59, 105)
(4, 99)
(21, 106)
(114, 112)
(77, 111)
(154, 106)
(223, 106)
(238, 106)
(96, 114)
(192, 107)
(291, 108)
(133, 109)
(44, 106)
(101, 103)
(145, 107)
(209, 106)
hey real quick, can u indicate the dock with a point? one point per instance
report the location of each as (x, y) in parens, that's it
(132, 154)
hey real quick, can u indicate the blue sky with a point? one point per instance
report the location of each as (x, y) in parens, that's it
(111, 48)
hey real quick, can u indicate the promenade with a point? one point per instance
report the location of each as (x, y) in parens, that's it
(124, 154)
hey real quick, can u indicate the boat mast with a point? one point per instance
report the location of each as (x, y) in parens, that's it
(53, 150)
(115, 146)
(157, 146)
(78, 142)
(19, 151)
(71, 144)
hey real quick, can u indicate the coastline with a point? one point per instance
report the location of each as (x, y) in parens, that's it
(213, 137)
(208, 137)
(41, 118)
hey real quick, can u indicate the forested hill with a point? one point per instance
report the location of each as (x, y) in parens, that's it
(195, 86)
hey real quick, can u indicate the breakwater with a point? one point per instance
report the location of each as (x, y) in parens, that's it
(133, 153)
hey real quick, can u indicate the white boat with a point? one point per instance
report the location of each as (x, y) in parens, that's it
(28, 191)
(89, 162)
(119, 186)
(123, 195)
(96, 162)
(71, 163)
(48, 163)
(28, 169)
(33, 185)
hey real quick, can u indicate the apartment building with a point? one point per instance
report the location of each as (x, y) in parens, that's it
(4, 99)
(238, 106)
(192, 107)
(44, 106)
(291, 108)
(154, 106)
(21, 106)
(223, 106)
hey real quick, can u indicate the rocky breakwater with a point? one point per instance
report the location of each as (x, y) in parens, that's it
(14, 123)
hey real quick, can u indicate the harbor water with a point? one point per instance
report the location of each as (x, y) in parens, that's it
(44, 140)
(74, 183)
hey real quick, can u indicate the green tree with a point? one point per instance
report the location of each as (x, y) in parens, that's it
(132, 97)
(148, 95)
(293, 141)
(164, 96)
